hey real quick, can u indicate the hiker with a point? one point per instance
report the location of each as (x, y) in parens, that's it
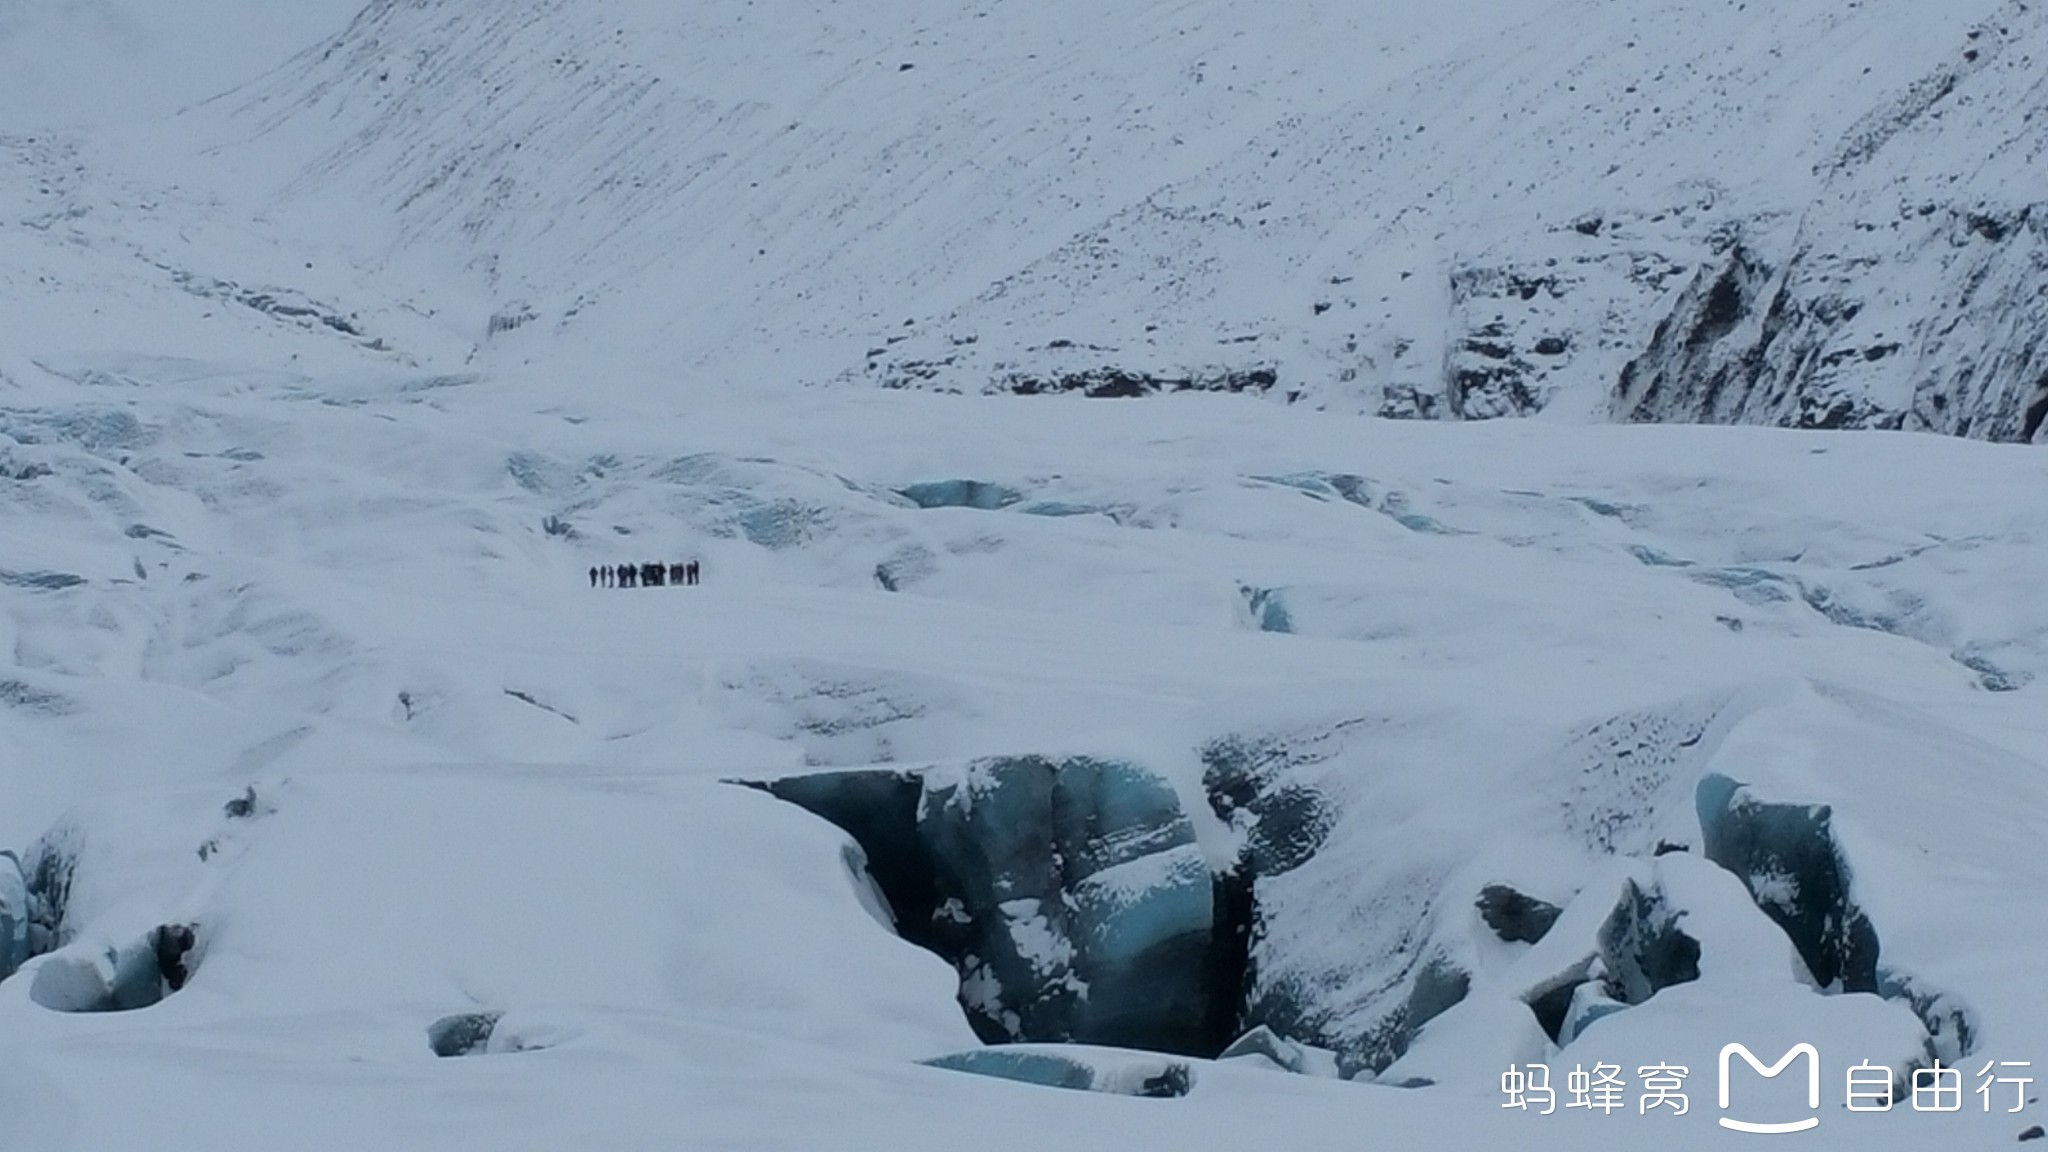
(650, 575)
(605, 574)
(625, 575)
(690, 572)
(593, 575)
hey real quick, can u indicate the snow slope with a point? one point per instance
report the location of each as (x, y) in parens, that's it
(318, 402)
(1465, 211)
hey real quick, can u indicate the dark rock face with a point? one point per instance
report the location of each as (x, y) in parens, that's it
(1722, 355)
(1515, 917)
(1552, 1006)
(1284, 822)
(1439, 986)
(1254, 784)
(1119, 384)
(1951, 1027)
(174, 944)
(1786, 855)
(1643, 949)
(1761, 338)
(465, 1034)
(1489, 378)
(1409, 402)
(1069, 894)
(880, 811)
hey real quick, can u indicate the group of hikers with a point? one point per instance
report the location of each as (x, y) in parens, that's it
(652, 575)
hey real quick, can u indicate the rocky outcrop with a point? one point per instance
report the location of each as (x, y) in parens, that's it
(464, 1034)
(1069, 894)
(1642, 949)
(1515, 917)
(1786, 855)
(1122, 384)
(1071, 897)
(1942, 327)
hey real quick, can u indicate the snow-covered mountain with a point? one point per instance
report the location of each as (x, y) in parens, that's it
(1164, 740)
(1813, 214)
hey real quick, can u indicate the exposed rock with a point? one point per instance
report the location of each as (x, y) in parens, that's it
(1951, 1028)
(1552, 1007)
(34, 701)
(1819, 336)
(464, 1034)
(1119, 383)
(1642, 948)
(1516, 918)
(44, 581)
(1439, 986)
(1409, 402)
(1084, 880)
(1283, 821)
(242, 807)
(1069, 894)
(174, 946)
(1786, 855)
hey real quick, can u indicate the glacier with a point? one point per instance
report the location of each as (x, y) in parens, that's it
(1267, 562)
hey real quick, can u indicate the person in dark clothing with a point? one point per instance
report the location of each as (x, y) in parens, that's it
(650, 575)
(605, 573)
(690, 572)
(625, 575)
(675, 573)
(593, 575)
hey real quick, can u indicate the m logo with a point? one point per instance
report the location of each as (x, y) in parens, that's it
(1784, 1062)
